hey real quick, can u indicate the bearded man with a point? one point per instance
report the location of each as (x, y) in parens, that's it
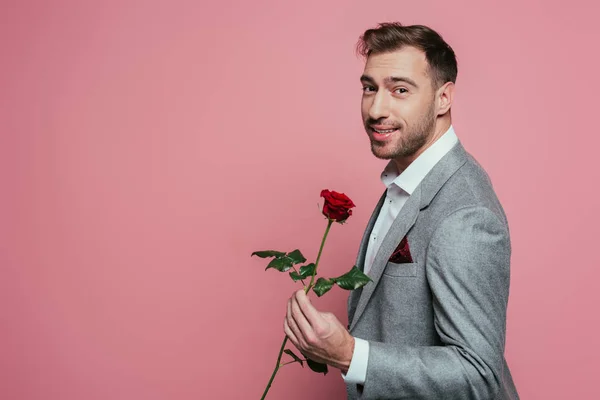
(432, 324)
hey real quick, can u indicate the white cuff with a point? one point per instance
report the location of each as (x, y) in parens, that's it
(357, 372)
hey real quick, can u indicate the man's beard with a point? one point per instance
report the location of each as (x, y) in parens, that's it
(409, 141)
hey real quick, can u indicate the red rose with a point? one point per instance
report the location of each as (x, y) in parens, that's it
(337, 206)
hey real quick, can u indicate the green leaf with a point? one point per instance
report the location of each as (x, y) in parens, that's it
(296, 257)
(295, 276)
(268, 253)
(317, 367)
(294, 356)
(307, 270)
(280, 264)
(322, 286)
(352, 279)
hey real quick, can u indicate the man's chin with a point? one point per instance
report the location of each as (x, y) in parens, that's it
(381, 152)
(385, 153)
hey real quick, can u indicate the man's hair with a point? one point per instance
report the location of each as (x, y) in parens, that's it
(392, 36)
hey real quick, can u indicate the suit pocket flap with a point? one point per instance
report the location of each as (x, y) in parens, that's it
(404, 269)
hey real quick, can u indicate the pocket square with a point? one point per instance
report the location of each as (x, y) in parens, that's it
(402, 253)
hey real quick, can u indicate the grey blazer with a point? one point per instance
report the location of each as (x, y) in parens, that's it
(436, 327)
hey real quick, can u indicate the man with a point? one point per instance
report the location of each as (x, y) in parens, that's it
(432, 323)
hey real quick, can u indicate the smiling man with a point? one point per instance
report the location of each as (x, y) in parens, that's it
(432, 324)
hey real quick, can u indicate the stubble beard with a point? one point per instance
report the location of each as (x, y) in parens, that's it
(409, 141)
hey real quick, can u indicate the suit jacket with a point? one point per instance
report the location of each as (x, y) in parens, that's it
(436, 327)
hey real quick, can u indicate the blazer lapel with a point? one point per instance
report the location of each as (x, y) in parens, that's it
(398, 229)
(419, 200)
(362, 251)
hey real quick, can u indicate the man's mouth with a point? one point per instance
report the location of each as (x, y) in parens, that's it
(384, 131)
(381, 132)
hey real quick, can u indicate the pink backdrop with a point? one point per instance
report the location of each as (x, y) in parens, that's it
(147, 148)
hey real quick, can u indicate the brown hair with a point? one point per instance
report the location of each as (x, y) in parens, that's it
(391, 36)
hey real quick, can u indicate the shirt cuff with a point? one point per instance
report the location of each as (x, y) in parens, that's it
(357, 372)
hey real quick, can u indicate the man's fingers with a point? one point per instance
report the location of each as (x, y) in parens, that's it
(312, 315)
(293, 327)
(305, 329)
(289, 333)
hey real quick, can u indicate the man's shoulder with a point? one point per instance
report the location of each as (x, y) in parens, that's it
(469, 187)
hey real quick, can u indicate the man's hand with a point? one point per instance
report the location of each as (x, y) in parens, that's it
(318, 335)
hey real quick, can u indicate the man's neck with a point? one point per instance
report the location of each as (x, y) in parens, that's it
(441, 127)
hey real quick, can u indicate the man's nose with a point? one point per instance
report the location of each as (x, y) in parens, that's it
(380, 108)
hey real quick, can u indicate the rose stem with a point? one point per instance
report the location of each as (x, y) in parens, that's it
(277, 366)
(312, 278)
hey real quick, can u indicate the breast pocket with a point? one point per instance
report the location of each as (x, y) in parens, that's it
(404, 269)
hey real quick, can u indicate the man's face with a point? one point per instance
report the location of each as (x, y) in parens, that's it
(398, 102)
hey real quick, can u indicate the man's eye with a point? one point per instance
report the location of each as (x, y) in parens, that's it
(368, 89)
(400, 90)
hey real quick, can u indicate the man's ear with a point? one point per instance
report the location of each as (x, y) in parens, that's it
(444, 96)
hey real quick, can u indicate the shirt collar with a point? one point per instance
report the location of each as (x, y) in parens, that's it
(410, 178)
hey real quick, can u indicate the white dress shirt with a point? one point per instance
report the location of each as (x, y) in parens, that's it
(399, 187)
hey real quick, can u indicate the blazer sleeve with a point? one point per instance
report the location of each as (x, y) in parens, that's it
(467, 268)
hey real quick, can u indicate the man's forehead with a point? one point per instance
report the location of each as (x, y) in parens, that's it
(406, 61)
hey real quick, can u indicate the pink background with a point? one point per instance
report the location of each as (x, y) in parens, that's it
(147, 148)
